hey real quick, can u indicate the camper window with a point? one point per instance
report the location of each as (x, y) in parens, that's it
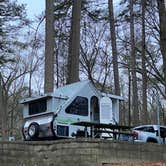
(78, 107)
(37, 107)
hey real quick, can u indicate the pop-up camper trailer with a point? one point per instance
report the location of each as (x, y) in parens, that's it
(52, 115)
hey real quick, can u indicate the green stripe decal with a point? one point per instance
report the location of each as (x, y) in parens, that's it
(65, 120)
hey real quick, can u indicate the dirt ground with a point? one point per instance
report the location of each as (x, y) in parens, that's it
(135, 164)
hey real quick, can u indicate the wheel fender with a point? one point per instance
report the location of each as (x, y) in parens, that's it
(153, 140)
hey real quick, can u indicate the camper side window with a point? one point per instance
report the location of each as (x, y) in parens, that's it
(78, 107)
(37, 107)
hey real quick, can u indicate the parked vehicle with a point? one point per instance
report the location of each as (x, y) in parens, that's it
(52, 115)
(150, 133)
(146, 133)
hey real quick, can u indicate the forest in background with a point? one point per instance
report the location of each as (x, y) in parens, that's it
(122, 50)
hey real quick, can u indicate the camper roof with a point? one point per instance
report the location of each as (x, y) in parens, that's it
(64, 92)
(71, 90)
(74, 89)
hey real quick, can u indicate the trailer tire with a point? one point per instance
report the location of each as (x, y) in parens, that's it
(33, 130)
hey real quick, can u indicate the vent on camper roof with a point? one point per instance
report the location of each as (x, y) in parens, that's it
(62, 130)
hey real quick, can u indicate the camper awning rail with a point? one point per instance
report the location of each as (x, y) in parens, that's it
(112, 96)
(27, 100)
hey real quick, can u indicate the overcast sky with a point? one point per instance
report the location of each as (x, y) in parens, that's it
(34, 7)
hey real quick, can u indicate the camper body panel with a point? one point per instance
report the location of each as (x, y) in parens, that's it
(44, 121)
(65, 118)
(115, 113)
(28, 112)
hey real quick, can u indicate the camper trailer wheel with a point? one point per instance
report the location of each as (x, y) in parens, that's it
(33, 130)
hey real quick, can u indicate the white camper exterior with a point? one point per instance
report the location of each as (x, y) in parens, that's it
(52, 115)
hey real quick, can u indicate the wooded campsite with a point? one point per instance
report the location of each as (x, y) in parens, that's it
(119, 45)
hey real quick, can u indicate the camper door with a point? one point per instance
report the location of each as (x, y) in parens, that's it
(106, 110)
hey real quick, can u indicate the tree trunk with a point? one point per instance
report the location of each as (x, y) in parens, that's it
(114, 48)
(1, 108)
(49, 47)
(74, 44)
(133, 68)
(3, 111)
(162, 25)
(144, 115)
(129, 98)
(4, 119)
(30, 83)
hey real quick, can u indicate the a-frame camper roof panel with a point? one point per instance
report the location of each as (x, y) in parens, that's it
(73, 89)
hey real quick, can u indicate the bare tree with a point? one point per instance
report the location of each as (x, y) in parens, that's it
(49, 47)
(3, 110)
(12, 72)
(74, 44)
(90, 56)
(114, 48)
(144, 115)
(162, 25)
(133, 67)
